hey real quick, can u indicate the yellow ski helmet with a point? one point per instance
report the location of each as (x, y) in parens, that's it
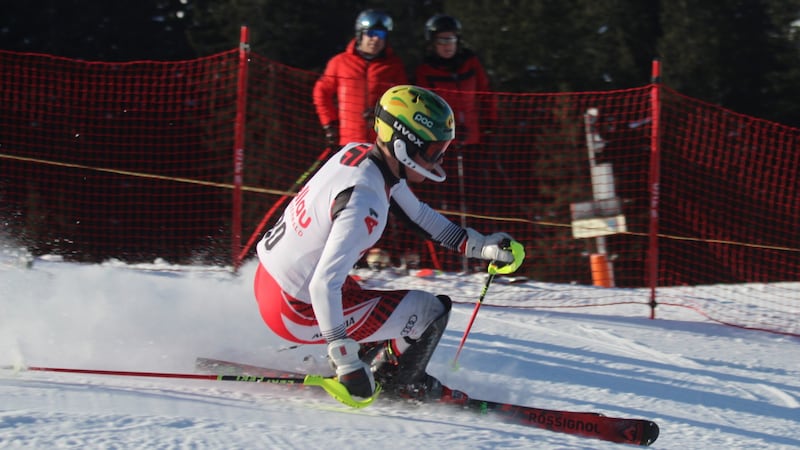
(415, 121)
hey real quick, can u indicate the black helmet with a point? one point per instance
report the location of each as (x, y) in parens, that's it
(440, 23)
(371, 19)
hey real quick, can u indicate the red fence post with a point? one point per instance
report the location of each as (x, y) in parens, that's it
(238, 147)
(654, 180)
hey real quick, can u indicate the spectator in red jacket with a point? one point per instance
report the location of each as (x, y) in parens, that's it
(450, 66)
(346, 93)
(454, 72)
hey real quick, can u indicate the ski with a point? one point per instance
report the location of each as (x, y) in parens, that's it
(586, 424)
(330, 385)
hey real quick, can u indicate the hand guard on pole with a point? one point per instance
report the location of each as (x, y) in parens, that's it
(505, 244)
(353, 373)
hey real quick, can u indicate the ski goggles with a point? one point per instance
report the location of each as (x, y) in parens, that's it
(446, 40)
(434, 152)
(431, 152)
(380, 34)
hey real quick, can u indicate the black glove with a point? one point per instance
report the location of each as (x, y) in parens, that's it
(332, 133)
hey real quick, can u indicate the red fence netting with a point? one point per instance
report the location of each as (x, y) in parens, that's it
(135, 161)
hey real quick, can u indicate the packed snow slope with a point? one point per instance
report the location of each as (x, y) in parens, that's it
(707, 385)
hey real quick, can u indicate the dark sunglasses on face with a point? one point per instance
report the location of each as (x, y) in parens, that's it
(380, 34)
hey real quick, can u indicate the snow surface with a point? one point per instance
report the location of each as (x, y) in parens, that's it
(707, 385)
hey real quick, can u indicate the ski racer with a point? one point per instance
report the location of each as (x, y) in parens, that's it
(302, 284)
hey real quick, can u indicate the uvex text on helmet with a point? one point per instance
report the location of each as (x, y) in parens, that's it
(426, 115)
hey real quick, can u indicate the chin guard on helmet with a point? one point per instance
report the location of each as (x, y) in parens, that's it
(400, 153)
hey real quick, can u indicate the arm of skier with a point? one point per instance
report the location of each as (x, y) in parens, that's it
(440, 229)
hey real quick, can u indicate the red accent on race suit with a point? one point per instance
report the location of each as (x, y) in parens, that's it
(371, 223)
(368, 308)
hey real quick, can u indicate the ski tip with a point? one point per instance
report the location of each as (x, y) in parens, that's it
(650, 434)
(339, 392)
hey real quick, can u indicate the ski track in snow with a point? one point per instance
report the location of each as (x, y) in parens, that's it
(168, 416)
(731, 395)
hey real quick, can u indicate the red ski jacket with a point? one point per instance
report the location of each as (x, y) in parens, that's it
(463, 73)
(357, 84)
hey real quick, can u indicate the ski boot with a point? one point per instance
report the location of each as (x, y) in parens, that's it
(403, 374)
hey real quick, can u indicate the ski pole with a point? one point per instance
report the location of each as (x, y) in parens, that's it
(331, 385)
(489, 279)
(519, 254)
(277, 204)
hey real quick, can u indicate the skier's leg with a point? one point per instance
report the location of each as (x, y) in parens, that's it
(398, 332)
(402, 363)
(273, 304)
